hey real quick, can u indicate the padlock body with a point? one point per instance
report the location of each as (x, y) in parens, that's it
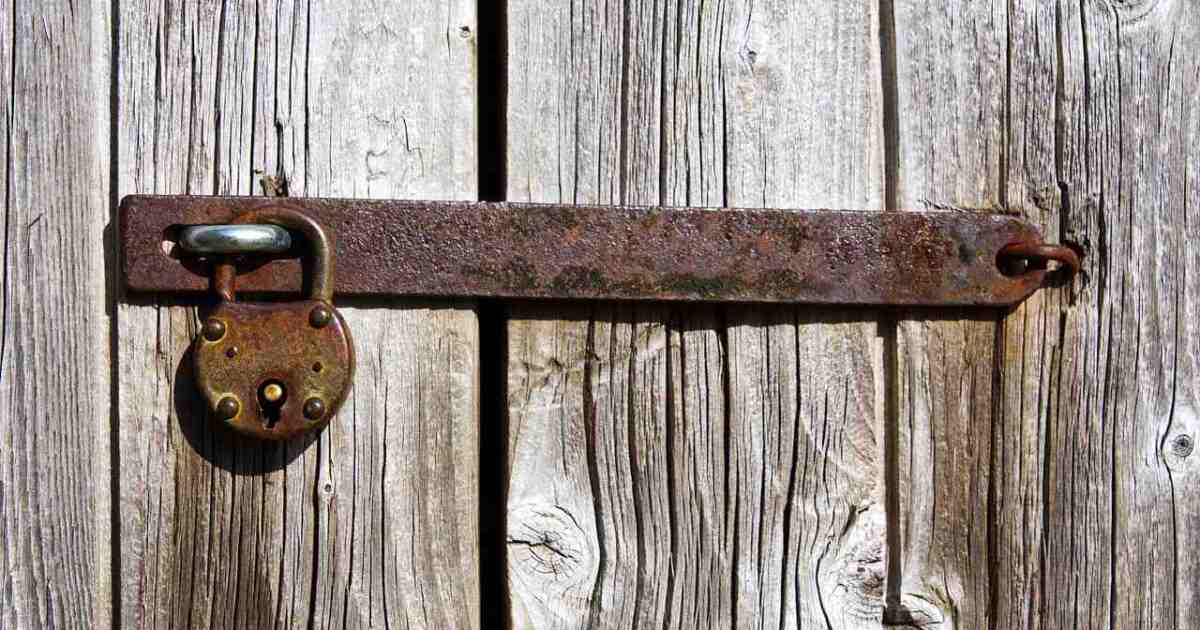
(279, 344)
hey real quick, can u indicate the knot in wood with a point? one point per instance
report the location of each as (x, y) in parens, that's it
(1182, 445)
(547, 545)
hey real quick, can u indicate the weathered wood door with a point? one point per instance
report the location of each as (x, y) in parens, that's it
(544, 465)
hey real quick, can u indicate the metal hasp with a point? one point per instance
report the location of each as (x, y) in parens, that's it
(515, 250)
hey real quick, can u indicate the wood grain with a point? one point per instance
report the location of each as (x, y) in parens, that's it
(374, 523)
(977, 397)
(54, 317)
(1123, 424)
(694, 467)
(670, 467)
(951, 86)
(1030, 344)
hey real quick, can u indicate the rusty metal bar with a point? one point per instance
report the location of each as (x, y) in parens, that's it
(514, 250)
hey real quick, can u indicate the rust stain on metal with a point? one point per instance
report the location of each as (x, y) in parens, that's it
(511, 250)
(275, 345)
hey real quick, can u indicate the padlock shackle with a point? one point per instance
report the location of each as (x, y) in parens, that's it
(320, 251)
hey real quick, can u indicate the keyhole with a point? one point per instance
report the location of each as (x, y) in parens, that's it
(271, 396)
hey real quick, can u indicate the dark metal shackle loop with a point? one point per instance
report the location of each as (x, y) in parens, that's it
(1038, 254)
(320, 250)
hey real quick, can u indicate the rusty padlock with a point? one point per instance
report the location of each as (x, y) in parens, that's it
(276, 370)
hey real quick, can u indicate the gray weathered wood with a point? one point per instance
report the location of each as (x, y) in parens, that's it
(1079, 451)
(670, 467)
(1049, 494)
(953, 150)
(1121, 465)
(1030, 342)
(950, 86)
(374, 523)
(694, 467)
(54, 324)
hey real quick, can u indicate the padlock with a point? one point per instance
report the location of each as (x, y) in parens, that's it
(276, 370)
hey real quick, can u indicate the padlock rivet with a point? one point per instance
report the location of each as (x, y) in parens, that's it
(314, 408)
(213, 329)
(320, 316)
(228, 407)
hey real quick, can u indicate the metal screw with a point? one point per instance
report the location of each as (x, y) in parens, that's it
(228, 407)
(213, 329)
(314, 408)
(273, 392)
(1183, 446)
(320, 316)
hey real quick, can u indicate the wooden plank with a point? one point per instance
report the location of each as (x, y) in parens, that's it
(1120, 509)
(375, 522)
(54, 324)
(1080, 451)
(951, 107)
(1030, 343)
(697, 467)
(1093, 420)
(980, 106)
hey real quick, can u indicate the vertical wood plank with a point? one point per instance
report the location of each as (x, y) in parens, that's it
(1030, 344)
(1124, 424)
(1092, 425)
(804, 129)
(951, 86)
(988, 536)
(698, 467)
(1179, 188)
(1080, 437)
(374, 523)
(54, 321)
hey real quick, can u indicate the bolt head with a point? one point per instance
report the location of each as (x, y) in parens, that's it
(314, 408)
(228, 407)
(320, 316)
(213, 329)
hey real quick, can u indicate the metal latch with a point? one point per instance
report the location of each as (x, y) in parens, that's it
(515, 250)
(275, 370)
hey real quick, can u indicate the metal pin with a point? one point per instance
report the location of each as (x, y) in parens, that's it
(228, 407)
(320, 316)
(213, 329)
(314, 408)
